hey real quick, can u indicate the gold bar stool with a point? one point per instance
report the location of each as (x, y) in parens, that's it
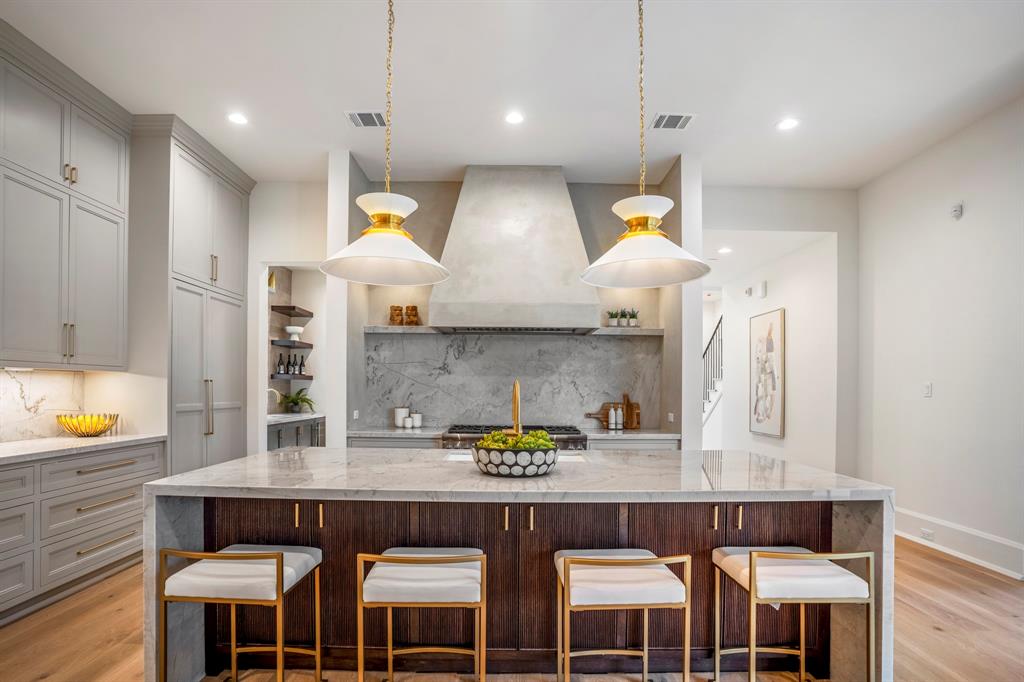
(613, 580)
(791, 575)
(242, 574)
(424, 577)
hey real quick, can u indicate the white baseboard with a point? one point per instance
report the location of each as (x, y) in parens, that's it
(978, 547)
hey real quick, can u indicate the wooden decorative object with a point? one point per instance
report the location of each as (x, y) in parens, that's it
(630, 413)
(395, 317)
(412, 315)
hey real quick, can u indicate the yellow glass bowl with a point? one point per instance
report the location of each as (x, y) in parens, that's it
(87, 425)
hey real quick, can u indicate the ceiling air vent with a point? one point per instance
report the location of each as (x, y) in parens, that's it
(671, 121)
(366, 119)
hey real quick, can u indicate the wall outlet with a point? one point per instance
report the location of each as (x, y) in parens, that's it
(671, 417)
(927, 391)
(927, 533)
(355, 414)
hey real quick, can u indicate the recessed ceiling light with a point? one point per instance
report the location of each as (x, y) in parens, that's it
(787, 124)
(514, 117)
(238, 118)
(725, 249)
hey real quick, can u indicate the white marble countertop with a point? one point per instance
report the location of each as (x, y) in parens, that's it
(426, 432)
(288, 417)
(627, 434)
(450, 476)
(17, 451)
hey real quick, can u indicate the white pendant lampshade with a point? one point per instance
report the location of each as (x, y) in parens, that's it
(385, 254)
(644, 256)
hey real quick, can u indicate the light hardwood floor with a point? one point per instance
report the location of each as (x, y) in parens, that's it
(955, 622)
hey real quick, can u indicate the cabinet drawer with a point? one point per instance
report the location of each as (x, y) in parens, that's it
(17, 577)
(99, 468)
(17, 526)
(66, 559)
(75, 510)
(17, 482)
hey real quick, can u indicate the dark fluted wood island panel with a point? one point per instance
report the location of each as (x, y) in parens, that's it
(521, 578)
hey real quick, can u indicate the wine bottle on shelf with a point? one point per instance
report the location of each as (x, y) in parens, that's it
(302, 365)
(280, 363)
(290, 368)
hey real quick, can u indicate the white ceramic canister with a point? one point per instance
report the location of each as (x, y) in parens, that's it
(407, 422)
(400, 414)
(417, 419)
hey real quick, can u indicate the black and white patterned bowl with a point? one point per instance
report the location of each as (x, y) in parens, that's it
(515, 463)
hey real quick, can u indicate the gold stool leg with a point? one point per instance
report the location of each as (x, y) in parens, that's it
(391, 646)
(718, 624)
(483, 639)
(234, 645)
(752, 675)
(566, 638)
(316, 625)
(558, 627)
(476, 642)
(162, 639)
(360, 662)
(647, 615)
(871, 639)
(686, 640)
(280, 641)
(803, 639)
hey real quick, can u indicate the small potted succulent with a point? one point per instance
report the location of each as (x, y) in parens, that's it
(294, 402)
(623, 318)
(613, 318)
(516, 455)
(634, 318)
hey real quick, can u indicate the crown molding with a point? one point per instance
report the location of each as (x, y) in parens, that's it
(43, 65)
(170, 126)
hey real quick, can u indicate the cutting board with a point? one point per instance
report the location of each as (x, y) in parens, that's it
(630, 414)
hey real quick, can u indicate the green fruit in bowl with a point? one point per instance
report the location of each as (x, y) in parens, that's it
(534, 440)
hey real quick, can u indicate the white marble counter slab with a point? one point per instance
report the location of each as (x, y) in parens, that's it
(18, 451)
(425, 432)
(449, 476)
(627, 434)
(289, 417)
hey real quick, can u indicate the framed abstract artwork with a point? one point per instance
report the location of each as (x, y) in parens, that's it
(768, 373)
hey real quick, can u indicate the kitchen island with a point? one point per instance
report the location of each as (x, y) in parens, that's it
(354, 500)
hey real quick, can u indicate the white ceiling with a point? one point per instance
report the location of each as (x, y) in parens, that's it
(750, 249)
(873, 82)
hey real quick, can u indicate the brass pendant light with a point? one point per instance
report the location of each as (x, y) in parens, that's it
(385, 254)
(644, 255)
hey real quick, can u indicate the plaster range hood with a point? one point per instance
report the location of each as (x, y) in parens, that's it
(515, 253)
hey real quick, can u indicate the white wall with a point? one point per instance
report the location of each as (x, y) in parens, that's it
(803, 282)
(941, 302)
(287, 226)
(815, 210)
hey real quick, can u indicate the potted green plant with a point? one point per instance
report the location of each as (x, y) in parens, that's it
(613, 318)
(634, 317)
(623, 318)
(516, 454)
(294, 402)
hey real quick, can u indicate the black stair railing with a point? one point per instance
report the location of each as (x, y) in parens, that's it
(713, 360)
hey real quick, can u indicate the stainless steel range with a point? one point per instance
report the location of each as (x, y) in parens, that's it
(464, 435)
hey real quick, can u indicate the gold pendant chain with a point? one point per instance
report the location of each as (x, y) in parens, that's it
(387, 109)
(643, 140)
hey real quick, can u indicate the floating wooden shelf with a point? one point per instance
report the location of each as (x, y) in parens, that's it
(398, 329)
(628, 331)
(288, 343)
(291, 311)
(291, 377)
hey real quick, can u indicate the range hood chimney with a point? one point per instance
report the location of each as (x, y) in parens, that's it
(515, 253)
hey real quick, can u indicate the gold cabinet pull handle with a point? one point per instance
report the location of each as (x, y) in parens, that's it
(506, 518)
(216, 268)
(296, 514)
(531, 518)
(74, 174)
(71, 340)
(67, 172)
(739, 517)
(106, 467)
(714, 523)
(66, 341)
(95, 548)
(209, 407)
(97, 505)
(321, 514)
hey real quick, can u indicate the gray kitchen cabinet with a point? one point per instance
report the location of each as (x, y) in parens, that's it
(191, 200)
(33, 285)
(230, 237)
(208, 378)
(34, 122)
(98, 157)
(97, 254)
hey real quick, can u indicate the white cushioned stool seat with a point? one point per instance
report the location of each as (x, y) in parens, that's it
(398, 583)
(790, 578)
(243, 578)
(607, 585)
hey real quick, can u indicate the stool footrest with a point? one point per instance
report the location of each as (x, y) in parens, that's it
(607, 652)
(761, 650)
(264, 648)
(433, 650)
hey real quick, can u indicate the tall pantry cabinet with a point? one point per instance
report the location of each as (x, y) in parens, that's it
(195, 202)
(63, 217)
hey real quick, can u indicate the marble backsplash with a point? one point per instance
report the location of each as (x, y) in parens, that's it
(30, 401)
(467, 378)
